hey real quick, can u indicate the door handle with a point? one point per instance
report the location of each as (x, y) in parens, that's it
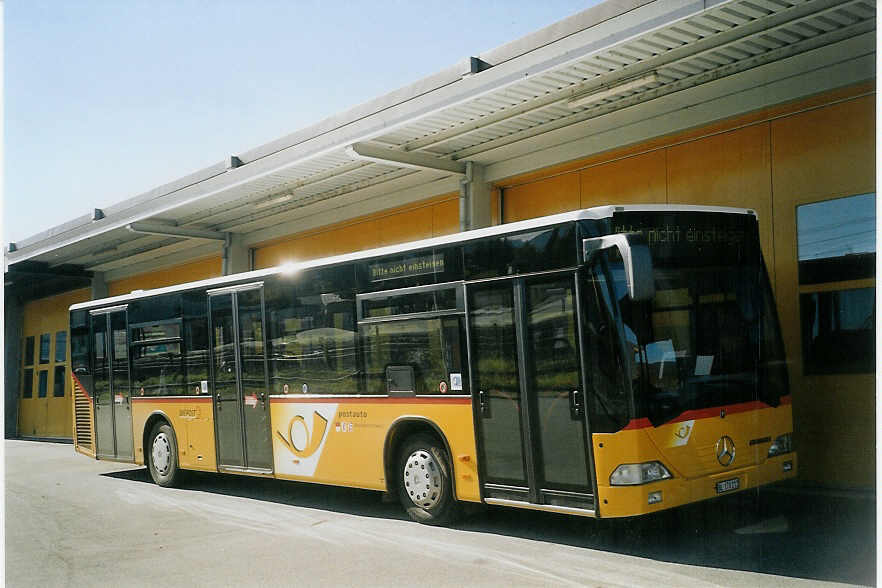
(577, 409)
(483, 405)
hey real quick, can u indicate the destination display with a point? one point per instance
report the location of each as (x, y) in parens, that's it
(407, 267)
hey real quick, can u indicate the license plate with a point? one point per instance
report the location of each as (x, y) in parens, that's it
(727, 485)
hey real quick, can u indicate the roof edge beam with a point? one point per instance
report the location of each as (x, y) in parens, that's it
(163, 230)
(412, 159)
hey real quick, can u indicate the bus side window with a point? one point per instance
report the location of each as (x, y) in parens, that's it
(430, 348)
(608, 400)
(311, 339)
(79, 342)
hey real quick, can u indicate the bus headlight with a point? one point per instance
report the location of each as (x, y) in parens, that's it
(782, 444)
(633, 474)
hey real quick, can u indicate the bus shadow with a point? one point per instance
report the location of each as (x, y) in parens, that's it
(354, 501)
(771, 532)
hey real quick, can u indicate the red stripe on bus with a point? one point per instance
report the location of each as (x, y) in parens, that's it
(383, 400)
(82, 388)
(172, 399)
(705, 413)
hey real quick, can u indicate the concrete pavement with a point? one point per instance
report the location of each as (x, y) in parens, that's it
(72, 521)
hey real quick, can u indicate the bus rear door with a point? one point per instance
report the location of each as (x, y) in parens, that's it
(112, 389)
(239, 383)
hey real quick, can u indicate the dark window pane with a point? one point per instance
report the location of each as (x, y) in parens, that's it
(59, 383)
(196, 341)
(29, 351)
(607, 395)
(251, 348)
(155, 310)
(431, 301)
(431, 347)
(154, 331)
(45, 342)
(837, 239)
(838, 330)
(157, 370)
(79, 350)
(43, 388)
(312, 340)
(60, 346)
(554, 354)
(534, 251)
(494, 348)
(27, 384)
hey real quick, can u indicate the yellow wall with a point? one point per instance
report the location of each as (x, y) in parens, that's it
(49, 416)
(188, 272)
(771, 161)
(430, 218)
(820, 155)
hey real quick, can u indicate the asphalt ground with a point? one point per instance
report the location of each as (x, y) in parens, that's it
(73, 521)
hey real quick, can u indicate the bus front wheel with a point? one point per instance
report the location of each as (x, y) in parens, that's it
(163, 461)
(424, 484)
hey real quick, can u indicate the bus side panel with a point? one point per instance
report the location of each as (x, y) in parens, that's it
(640, 442)
(341, 442)
(193, 423)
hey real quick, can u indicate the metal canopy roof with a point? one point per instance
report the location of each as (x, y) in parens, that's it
(614, 74)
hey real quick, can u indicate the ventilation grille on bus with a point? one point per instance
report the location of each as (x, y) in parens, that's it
(83, 416)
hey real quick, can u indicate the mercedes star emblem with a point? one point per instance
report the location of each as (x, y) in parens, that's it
(725, 450)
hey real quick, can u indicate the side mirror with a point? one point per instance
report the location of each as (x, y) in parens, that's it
(635, 257)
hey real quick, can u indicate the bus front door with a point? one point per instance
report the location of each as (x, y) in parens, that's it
(528, 392)
(112, 389)
(241, 405)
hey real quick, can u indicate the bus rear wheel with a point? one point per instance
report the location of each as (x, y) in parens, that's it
(424, 484)
(163, 456)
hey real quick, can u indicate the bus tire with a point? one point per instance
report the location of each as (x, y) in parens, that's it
(163, 456)
(424, 483)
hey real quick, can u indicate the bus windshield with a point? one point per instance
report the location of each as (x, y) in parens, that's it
(710, 336)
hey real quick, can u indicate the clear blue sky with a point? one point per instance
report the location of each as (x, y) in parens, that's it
(105, 100)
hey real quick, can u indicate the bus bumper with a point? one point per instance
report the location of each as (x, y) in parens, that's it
(626, 501)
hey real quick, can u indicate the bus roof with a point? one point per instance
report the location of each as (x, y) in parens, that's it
(595, 213)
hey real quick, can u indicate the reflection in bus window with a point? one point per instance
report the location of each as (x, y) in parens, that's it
(157, 370)
(432, 347)
(312, 343)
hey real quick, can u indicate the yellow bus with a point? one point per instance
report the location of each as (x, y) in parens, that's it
(607, 362)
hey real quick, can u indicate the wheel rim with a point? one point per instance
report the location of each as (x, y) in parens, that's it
(422, 479)
(161, 454)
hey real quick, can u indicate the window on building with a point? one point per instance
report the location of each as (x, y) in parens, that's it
(60, 346)
(59, 383)
(837, 259)
(29, 351)
(27, 384)
(45, 343)
(43, 388)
